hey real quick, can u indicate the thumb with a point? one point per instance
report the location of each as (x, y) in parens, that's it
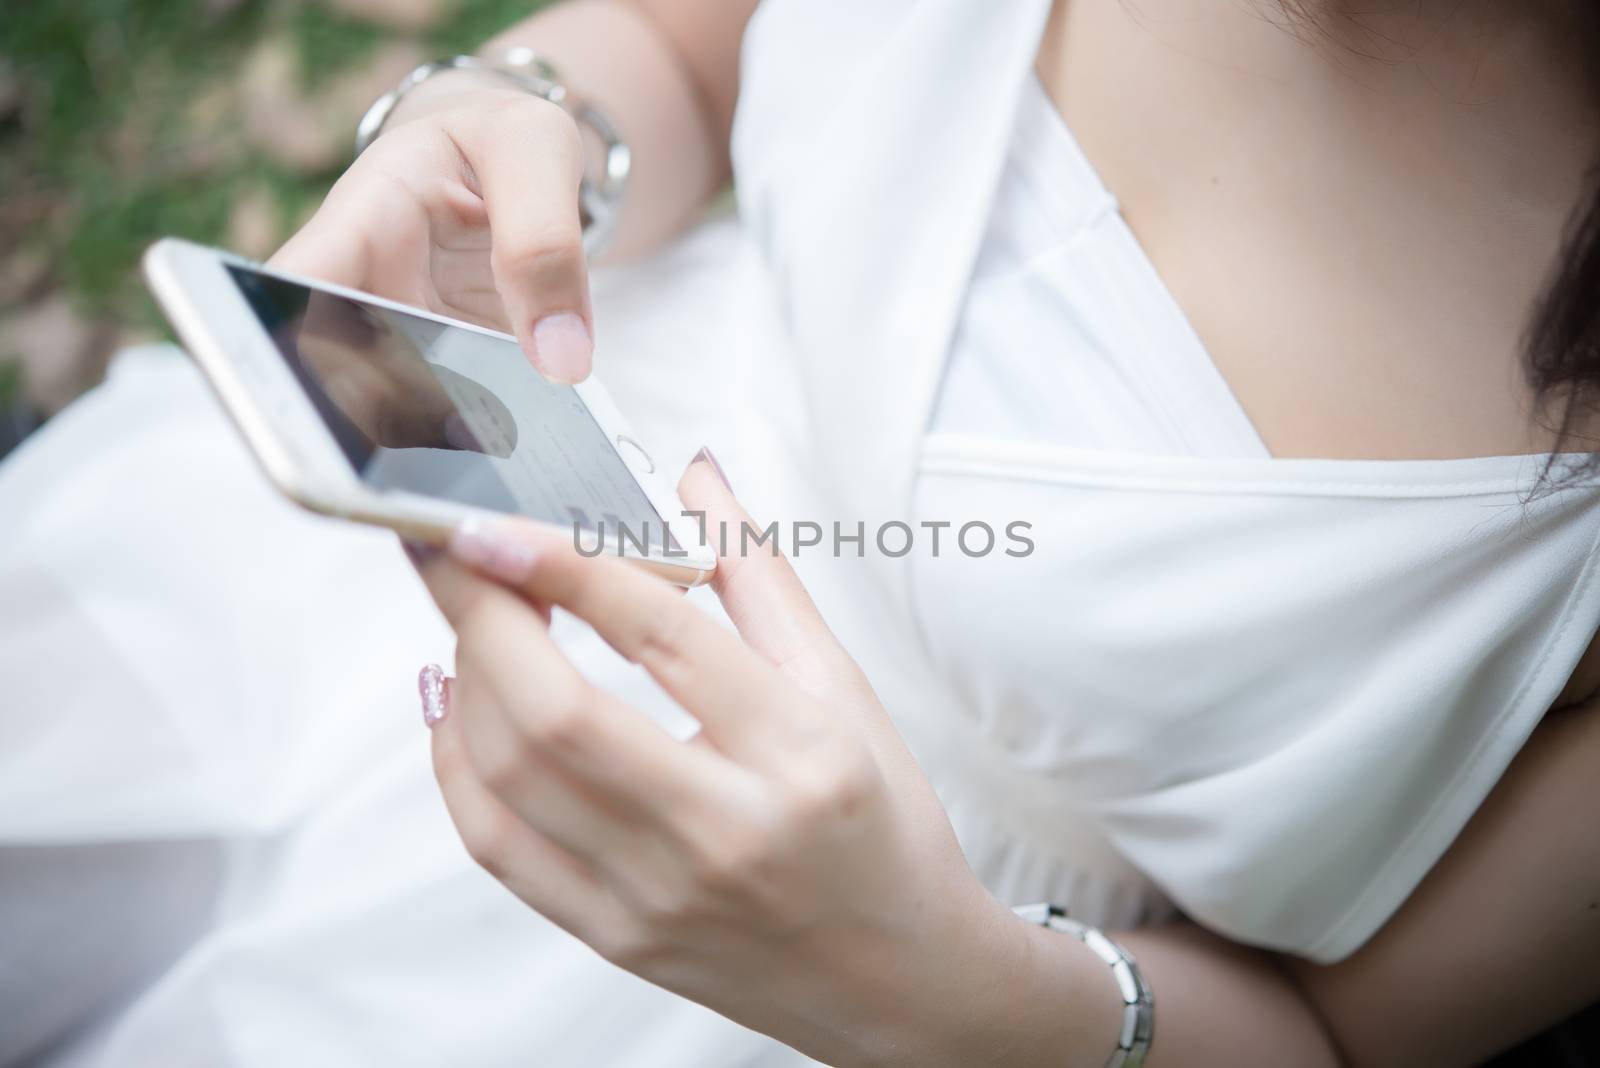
(756, 584)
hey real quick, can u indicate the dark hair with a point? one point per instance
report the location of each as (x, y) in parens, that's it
(1563, 337)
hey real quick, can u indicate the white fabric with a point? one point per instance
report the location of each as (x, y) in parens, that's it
(1278, 690)
(1215, 774)
(220, 840)
(1267, 692)
(1067, 336)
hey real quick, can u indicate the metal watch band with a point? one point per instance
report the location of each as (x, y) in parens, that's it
(599, 196)
(1138, 1004)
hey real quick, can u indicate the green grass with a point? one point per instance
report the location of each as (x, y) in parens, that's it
(476, 22)
(10, 384)
(327, 42)
(103, 153)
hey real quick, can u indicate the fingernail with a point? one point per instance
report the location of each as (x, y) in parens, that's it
(562, 347)
(489, 547)
(430, 684)
(707, 456)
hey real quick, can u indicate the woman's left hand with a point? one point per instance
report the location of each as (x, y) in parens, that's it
(790, 867)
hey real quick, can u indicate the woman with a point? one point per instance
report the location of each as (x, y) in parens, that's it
(1301, 719)
(1356, 215)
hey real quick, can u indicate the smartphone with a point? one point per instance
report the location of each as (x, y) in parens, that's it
(366, 409)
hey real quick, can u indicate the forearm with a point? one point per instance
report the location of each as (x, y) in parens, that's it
(1052, 1003)
(1221, 1005)
(673, 108)
(1499, 942)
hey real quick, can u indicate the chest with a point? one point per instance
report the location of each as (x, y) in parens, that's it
(1358, 249)
(1201, 655)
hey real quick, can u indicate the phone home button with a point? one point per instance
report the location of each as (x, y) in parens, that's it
(633, 446)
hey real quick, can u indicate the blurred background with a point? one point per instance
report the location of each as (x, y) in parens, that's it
(219, 120)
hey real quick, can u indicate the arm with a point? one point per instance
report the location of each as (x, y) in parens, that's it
(796, 848)
(667, 74)
(1500, 941)
(467, 202)
(1503, 937)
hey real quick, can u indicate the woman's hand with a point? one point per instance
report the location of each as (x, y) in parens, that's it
(466, 205)
(790, 868)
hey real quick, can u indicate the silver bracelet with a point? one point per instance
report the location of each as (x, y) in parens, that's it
(1138, 1004)
(599, 196)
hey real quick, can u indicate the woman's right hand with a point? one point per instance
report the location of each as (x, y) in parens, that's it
(466, 205)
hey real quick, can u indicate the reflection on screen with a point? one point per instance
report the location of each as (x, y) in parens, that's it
(435, 410)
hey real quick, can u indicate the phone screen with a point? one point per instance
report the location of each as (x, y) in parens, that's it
(431, 409)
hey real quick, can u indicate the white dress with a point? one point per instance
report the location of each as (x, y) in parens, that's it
(1267, 692)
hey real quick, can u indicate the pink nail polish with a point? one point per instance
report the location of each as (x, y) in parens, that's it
(430, 684)
(490, 547)
(562, 347)
(705, 455)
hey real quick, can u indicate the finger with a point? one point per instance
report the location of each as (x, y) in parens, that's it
(702, 665)
(614, 833)
(371, 232)
(554, 882)
(329, 248)
(759, 588)
(610, 748)
(769, 605)
(527, 158)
